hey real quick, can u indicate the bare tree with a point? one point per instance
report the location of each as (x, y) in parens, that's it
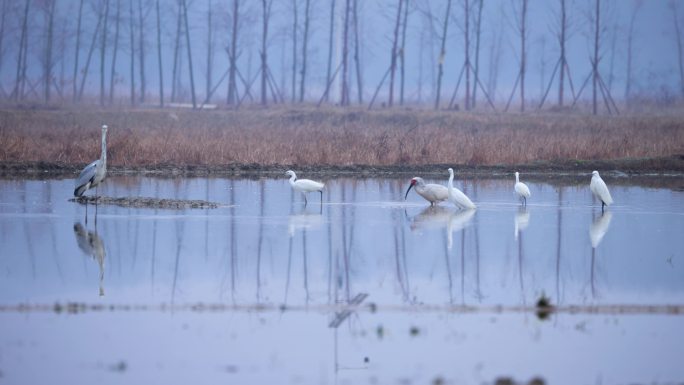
(394, 53)
(176, 52)
(476, 69)
(328, 79)
(100, 17)
(187, 42)
(678, 37)
(21, 57)
(159, 56)
(103, 51)
(78, 48)
(466, 13)
(562, 38)
(357, 59)
(112, 75)
(630, 43)
(141, 42)
(266, 16)
(495, 57)
(520, 16)
(2, 31)
(442, 53)
(344, 97)
(210, 53)
(402, 54)
(132, 34)
(232, 55)
(305, 47)
(50, 9)
(294, 50)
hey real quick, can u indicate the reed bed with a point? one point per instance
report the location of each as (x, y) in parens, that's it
(308, 137)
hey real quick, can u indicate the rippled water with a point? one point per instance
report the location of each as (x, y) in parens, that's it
(257, 290)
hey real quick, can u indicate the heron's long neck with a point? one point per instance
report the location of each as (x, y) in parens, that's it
(103, 156)
(517, 178)
(451, 180)
(293, 178)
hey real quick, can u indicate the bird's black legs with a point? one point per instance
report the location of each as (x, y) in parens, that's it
(525, 201)
(96, 196)
(86, 216)
(602, 206)
(305, 202)
(321, 191)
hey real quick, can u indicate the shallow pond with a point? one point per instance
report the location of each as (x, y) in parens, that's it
(361, 288)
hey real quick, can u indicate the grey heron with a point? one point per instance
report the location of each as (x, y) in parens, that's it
(93, 174)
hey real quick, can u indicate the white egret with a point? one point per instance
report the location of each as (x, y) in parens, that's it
(600, 190)
(433, 193)
(456, 196)
(521, 189)
(305, 185)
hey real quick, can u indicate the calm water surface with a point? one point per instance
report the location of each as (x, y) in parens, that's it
(448, 286)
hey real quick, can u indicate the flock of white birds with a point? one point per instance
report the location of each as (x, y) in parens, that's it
(94, 173)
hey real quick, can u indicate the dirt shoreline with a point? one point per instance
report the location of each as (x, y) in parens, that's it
(657, 167)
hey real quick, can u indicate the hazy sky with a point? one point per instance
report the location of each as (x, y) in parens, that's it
(654, 61)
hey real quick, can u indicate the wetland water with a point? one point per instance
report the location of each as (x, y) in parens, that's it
(257, 290)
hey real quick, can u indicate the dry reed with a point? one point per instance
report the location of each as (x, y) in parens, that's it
(307, 137)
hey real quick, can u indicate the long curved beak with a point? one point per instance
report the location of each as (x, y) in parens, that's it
(407, 191)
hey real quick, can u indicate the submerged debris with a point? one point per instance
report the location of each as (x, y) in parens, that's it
(144, 202)
(544, 307)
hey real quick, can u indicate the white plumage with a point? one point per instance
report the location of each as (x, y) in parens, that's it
(433, 193)
(456, 196)
(600, 190)
(305, 185)
(521, 189)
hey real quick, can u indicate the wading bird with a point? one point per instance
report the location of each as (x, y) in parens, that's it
(305, 185)
(456, 196)
(94, 173)
(433, 193)
(521, 189)
(600, 190)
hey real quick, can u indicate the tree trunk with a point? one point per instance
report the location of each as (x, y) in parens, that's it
(345, 56)
(90, 54)
(305, 46)
(114, 54)
(596, 58)
(78, 49)
(210, 51)
(19, 85)
(442, 53)
(523, 53)
(630, 42)
(562, 38)
(357, 59)
(294, 52)
(159, 56)
(678, 36)
(103, 51)
(141, 41)
(402, 55)
(48, 51)
(187, 42)
(466, 6)
(393, 58)
(330, 45)
(2, 31)
(232, 55)
(266, 8)
(132, 25)
(476, 70)
(176, 53)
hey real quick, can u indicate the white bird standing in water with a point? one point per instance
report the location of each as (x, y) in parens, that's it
(305, 185)
(521, 189)
(456, 196)
(433, 193)
(93, 174)
(600, 190)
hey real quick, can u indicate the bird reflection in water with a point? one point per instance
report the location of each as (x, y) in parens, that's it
(437, 217)
(305, 220)
(522, 220)
(92, 245)
(597, 230)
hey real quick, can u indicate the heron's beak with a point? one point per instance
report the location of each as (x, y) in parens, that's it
(407, 191)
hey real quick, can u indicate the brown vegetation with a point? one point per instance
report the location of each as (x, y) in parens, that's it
(330, 137)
